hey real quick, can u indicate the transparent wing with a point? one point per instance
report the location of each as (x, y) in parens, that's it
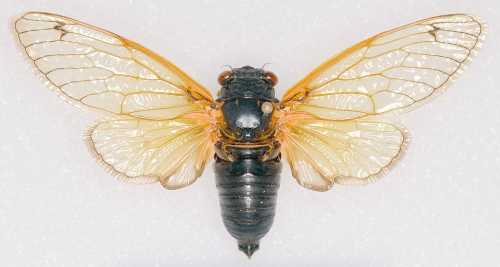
(98, 69)
(391, 71)
(161, 127)
(173, 152)
(323, 152)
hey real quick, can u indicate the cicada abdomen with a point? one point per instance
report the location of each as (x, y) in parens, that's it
(248, 193)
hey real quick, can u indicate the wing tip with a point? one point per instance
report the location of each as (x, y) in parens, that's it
(21, 50)
(483, 27)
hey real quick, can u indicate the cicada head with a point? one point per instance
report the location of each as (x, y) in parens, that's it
(248, 103)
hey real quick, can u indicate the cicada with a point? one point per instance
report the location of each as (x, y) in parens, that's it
(332, 126)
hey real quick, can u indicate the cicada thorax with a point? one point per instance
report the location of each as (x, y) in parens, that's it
(247, 165)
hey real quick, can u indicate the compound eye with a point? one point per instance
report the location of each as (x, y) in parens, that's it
(224, 76)
(271, 77)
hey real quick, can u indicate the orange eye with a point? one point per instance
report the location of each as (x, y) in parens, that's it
(271, 77)
(224, 76)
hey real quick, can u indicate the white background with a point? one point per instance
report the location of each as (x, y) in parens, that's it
(439, 207)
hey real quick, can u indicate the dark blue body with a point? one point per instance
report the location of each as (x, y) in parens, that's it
(247, 163)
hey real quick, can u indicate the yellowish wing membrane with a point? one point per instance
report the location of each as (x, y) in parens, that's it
(323, 152)
(173, 152)
(392, 71)
(330, 127)
(161, 127)
(98, 69)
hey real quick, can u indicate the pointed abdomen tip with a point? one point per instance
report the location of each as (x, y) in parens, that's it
(248, 248)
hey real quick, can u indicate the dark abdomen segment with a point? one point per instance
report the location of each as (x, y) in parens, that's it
(247, 193)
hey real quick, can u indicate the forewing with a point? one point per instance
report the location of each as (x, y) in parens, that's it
(98, 69)
(324, 152)
(173, 152)
(391, 71)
